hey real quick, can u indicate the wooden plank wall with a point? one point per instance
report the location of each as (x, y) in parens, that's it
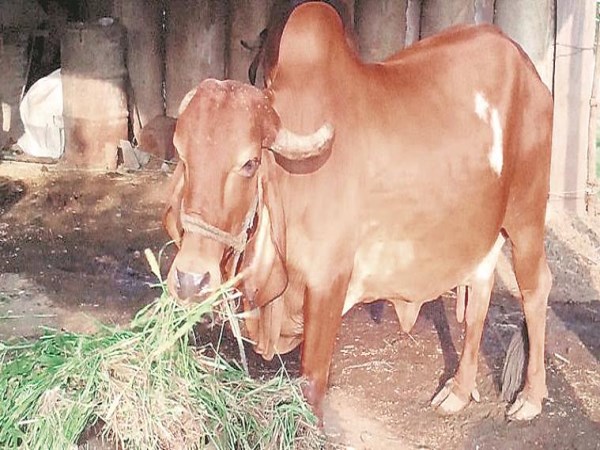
(196, 46)
(381, 27)
(248, 18)
(573, 76)
(145, 55)
(203, 41)
(18, 19)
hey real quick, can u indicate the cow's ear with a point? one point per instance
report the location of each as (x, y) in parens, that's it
(172, 216)
(264, 257)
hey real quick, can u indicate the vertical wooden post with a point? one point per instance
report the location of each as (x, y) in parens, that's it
(413, 22)
(531, 24)
(593, 200)
(143, 20)
(381, 27)
(440, 14)
(573, 74)
(92, 10)
(14, 61)
(351, 8)
(484, 11)
(196, 43)
(248, 19)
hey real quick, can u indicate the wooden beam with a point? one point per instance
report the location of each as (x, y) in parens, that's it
(145, 65)
(195, 46)
(593, 202)
(248, 19)
(381, 28)
(531, 24)
(437, 15)
(573, 76)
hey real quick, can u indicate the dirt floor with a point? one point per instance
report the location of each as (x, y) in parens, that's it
(71, 253)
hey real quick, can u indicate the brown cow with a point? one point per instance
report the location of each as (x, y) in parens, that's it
(420, 168)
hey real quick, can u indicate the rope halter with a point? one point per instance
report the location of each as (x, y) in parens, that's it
(193, 223)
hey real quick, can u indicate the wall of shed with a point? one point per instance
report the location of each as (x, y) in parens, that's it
(18, 19)
(13, 64)
(573, 79)
(484, 11)
(531, 24)
(143, 20)
(95, 9)
(351, 4)
(248, 19)
(196, 42)
(202, 40)
(381, 28)
(22, 21)
(437, 15)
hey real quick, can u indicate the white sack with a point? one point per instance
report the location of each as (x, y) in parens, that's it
(41, 113)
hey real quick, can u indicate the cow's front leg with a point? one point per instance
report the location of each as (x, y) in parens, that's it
(322, 318)
(460, 389)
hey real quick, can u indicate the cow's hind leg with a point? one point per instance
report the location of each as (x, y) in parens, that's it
(458, 391)
(535, 280)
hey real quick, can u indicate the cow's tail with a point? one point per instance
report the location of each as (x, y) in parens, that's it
(515, 363)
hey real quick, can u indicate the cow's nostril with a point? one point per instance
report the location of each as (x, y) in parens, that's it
(191, 284)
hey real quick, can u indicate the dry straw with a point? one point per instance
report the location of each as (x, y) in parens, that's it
(147, 388)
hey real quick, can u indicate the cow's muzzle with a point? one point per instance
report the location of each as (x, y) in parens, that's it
(191, 285)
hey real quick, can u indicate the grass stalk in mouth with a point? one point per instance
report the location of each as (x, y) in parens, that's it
(147, 387)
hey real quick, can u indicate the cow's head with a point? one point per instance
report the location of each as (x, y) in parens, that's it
(225, 200)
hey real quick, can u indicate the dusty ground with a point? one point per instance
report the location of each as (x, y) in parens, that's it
(71, 253)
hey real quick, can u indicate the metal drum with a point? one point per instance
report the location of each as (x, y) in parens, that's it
(94, 79)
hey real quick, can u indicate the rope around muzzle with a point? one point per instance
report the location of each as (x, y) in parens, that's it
(193, 223)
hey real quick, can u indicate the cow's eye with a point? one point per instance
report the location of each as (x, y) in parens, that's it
(250, 167)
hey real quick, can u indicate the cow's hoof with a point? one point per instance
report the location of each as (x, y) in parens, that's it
(524, 408)
(314, 396)
(452, 398)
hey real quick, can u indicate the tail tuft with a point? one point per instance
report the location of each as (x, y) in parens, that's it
(515, 363)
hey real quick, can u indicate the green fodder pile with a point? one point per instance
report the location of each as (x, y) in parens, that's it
(147, 388)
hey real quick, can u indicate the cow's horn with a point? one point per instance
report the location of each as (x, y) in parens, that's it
(186, 101)
(298, 147)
